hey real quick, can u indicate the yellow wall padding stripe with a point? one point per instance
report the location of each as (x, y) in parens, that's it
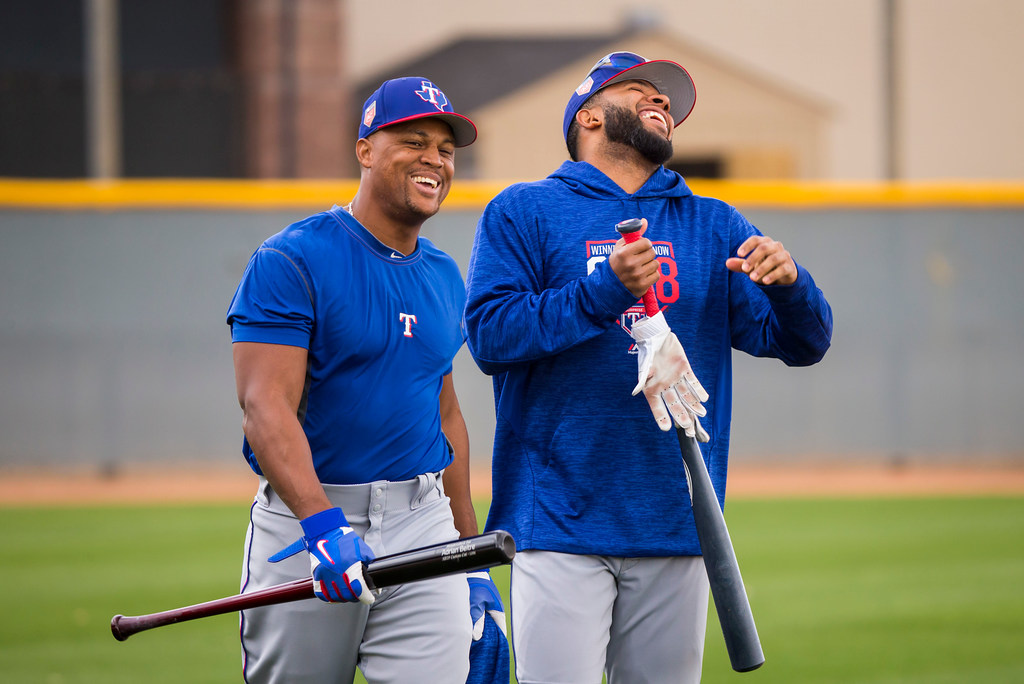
(865, 195)
(473, 195)
(173, 194)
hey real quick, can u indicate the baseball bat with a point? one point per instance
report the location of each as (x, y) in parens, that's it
(734, 614)
(462, 555)
(731, 603)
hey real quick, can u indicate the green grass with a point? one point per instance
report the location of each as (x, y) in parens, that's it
(870, 591)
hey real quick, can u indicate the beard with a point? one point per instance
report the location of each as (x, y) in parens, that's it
(624, 126)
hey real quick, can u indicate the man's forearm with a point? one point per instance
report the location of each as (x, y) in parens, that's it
(457, 480)
(284, 456)
(511, 328)
(457, 474)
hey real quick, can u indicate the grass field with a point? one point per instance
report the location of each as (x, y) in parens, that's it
(922, 590)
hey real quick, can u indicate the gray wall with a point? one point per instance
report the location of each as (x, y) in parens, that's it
(113, 347)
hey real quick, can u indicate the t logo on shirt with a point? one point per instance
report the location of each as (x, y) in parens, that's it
(409, 320)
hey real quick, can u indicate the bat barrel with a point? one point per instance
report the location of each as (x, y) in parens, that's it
(464, 555)
(731, 604)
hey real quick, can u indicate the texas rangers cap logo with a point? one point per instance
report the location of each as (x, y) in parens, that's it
(432, 94)
(370, 112)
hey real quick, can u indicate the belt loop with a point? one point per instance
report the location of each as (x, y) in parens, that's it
(425, 483)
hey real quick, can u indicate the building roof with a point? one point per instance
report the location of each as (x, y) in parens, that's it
(475, 71)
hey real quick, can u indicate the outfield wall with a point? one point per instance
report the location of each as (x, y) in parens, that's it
(113, 347)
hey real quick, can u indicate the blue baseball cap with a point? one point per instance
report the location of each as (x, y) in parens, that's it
(668, 77)
(409, 98)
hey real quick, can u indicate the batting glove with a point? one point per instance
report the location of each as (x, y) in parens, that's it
(484, 600)
(666, 378)
(337, 557)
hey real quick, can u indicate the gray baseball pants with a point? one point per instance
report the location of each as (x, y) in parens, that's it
(639, 620)
(415, 630)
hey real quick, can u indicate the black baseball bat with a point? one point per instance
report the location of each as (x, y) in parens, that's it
(462, 555)
(734, 614)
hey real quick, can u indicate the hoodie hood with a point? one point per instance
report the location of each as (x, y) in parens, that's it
(586, 180)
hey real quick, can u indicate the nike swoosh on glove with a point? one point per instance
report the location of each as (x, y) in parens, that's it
(484, 599)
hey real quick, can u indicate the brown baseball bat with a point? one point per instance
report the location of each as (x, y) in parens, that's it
(734, 614)
(436, 560)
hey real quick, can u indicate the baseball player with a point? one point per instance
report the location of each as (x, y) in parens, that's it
(608, 576)
(344, 327)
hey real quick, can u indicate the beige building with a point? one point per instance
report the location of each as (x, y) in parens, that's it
(515, 89)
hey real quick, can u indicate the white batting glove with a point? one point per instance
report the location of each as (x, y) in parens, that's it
(666, 378)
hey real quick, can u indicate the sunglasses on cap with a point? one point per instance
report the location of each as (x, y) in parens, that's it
(618, 60)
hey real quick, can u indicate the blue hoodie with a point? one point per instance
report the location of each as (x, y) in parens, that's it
(579, 464)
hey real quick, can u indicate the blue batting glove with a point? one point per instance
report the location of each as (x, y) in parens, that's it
(337, 558)
(484, 599)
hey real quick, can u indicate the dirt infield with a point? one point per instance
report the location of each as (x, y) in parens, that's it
(136, 486)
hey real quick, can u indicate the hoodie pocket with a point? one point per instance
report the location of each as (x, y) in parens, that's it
(583, 465)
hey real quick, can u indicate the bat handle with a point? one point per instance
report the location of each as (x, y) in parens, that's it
(630, 231)
(123, 626)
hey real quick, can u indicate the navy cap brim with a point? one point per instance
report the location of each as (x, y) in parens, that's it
(463, 130)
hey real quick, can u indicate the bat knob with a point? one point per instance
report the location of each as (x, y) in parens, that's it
(629, 226)
(115, 628)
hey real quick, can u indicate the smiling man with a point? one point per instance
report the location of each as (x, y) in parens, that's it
(608, 575)
(344, 327)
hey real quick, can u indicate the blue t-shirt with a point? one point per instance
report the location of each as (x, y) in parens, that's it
(381, 330)
(579, 463)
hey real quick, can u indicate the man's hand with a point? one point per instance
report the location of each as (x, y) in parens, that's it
(766, 261)
(336, 557)
(635, 264)
(484, 600)
(666, 378)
